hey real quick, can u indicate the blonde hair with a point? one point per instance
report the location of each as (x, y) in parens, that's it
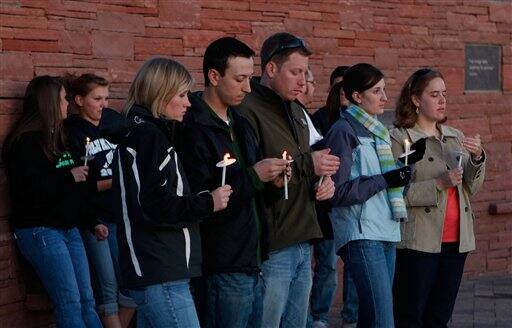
(156, 83)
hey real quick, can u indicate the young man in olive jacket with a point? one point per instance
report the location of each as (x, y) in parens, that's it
(280, 124)
(231, 239)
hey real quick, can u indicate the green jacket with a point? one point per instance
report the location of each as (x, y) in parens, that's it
(426, 204)
(281, 125)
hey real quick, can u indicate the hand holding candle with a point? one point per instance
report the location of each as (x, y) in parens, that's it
(221, 197)
(325, 190)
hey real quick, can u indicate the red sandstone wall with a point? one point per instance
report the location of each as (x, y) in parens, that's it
(113, 37)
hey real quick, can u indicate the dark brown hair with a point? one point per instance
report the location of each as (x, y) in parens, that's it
(337, 72)
(359, 78)
(219, 52)
(333, 104)
(405, 113)
(41, 113)
(81, 86)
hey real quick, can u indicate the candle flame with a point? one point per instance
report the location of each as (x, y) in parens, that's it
(285, 155)
(407, 145)
(87, 140)
(226, 157)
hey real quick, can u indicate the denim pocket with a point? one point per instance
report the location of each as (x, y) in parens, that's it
(37, 230)
(38, 234)
(139, 296)
(365, 251)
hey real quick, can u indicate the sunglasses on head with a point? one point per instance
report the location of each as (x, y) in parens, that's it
(290, 44)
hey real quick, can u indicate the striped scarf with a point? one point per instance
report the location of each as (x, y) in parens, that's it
(385, 155)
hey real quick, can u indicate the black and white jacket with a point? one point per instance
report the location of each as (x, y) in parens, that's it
(97, 206)
(158, 233)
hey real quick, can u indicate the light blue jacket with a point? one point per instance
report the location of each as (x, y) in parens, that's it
(360, 206)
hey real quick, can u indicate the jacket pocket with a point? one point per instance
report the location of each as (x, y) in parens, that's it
(369, 162)
(408, 229)
(361, 216)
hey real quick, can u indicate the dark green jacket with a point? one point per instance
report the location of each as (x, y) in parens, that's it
(280, 125)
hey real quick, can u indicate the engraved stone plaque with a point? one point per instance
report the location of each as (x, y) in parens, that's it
(482, 67)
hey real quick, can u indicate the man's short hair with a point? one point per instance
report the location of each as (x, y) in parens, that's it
(278, 47)
(218, 53)
(337, 72)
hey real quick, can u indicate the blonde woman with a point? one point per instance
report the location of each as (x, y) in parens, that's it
(158, 233)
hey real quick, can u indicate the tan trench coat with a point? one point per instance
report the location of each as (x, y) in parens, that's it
(426, 204)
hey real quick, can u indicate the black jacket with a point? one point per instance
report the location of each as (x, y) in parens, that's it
(321, 123)
(43, 192)
(230, 238)
(98, 204)
(158, 233)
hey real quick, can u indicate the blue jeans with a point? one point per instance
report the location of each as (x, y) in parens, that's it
(372, 265)
(324, 280)
(350, 300)
(234, 300)
(166, 305)
(287, 280)
(103, 260)
(58, 257)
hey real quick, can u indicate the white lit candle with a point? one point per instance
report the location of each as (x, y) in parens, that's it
(86, 157)
(225, 164)
(285, 157)
(460, 159)
(226, 161)
(407, 150)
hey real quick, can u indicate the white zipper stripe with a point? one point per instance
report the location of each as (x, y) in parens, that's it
(179, 184)
(164, 163)
(126, 221)
(135, 170)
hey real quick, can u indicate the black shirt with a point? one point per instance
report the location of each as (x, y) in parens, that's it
(98, 204)
(43, 191)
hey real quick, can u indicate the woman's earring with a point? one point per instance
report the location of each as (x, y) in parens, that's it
(417, 110)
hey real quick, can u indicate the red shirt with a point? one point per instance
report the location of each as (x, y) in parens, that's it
(452, 217)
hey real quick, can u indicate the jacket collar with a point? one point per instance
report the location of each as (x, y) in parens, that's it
(268, 94)
(415, 133)
(75, 119)
(140, 114)
(201, 113)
